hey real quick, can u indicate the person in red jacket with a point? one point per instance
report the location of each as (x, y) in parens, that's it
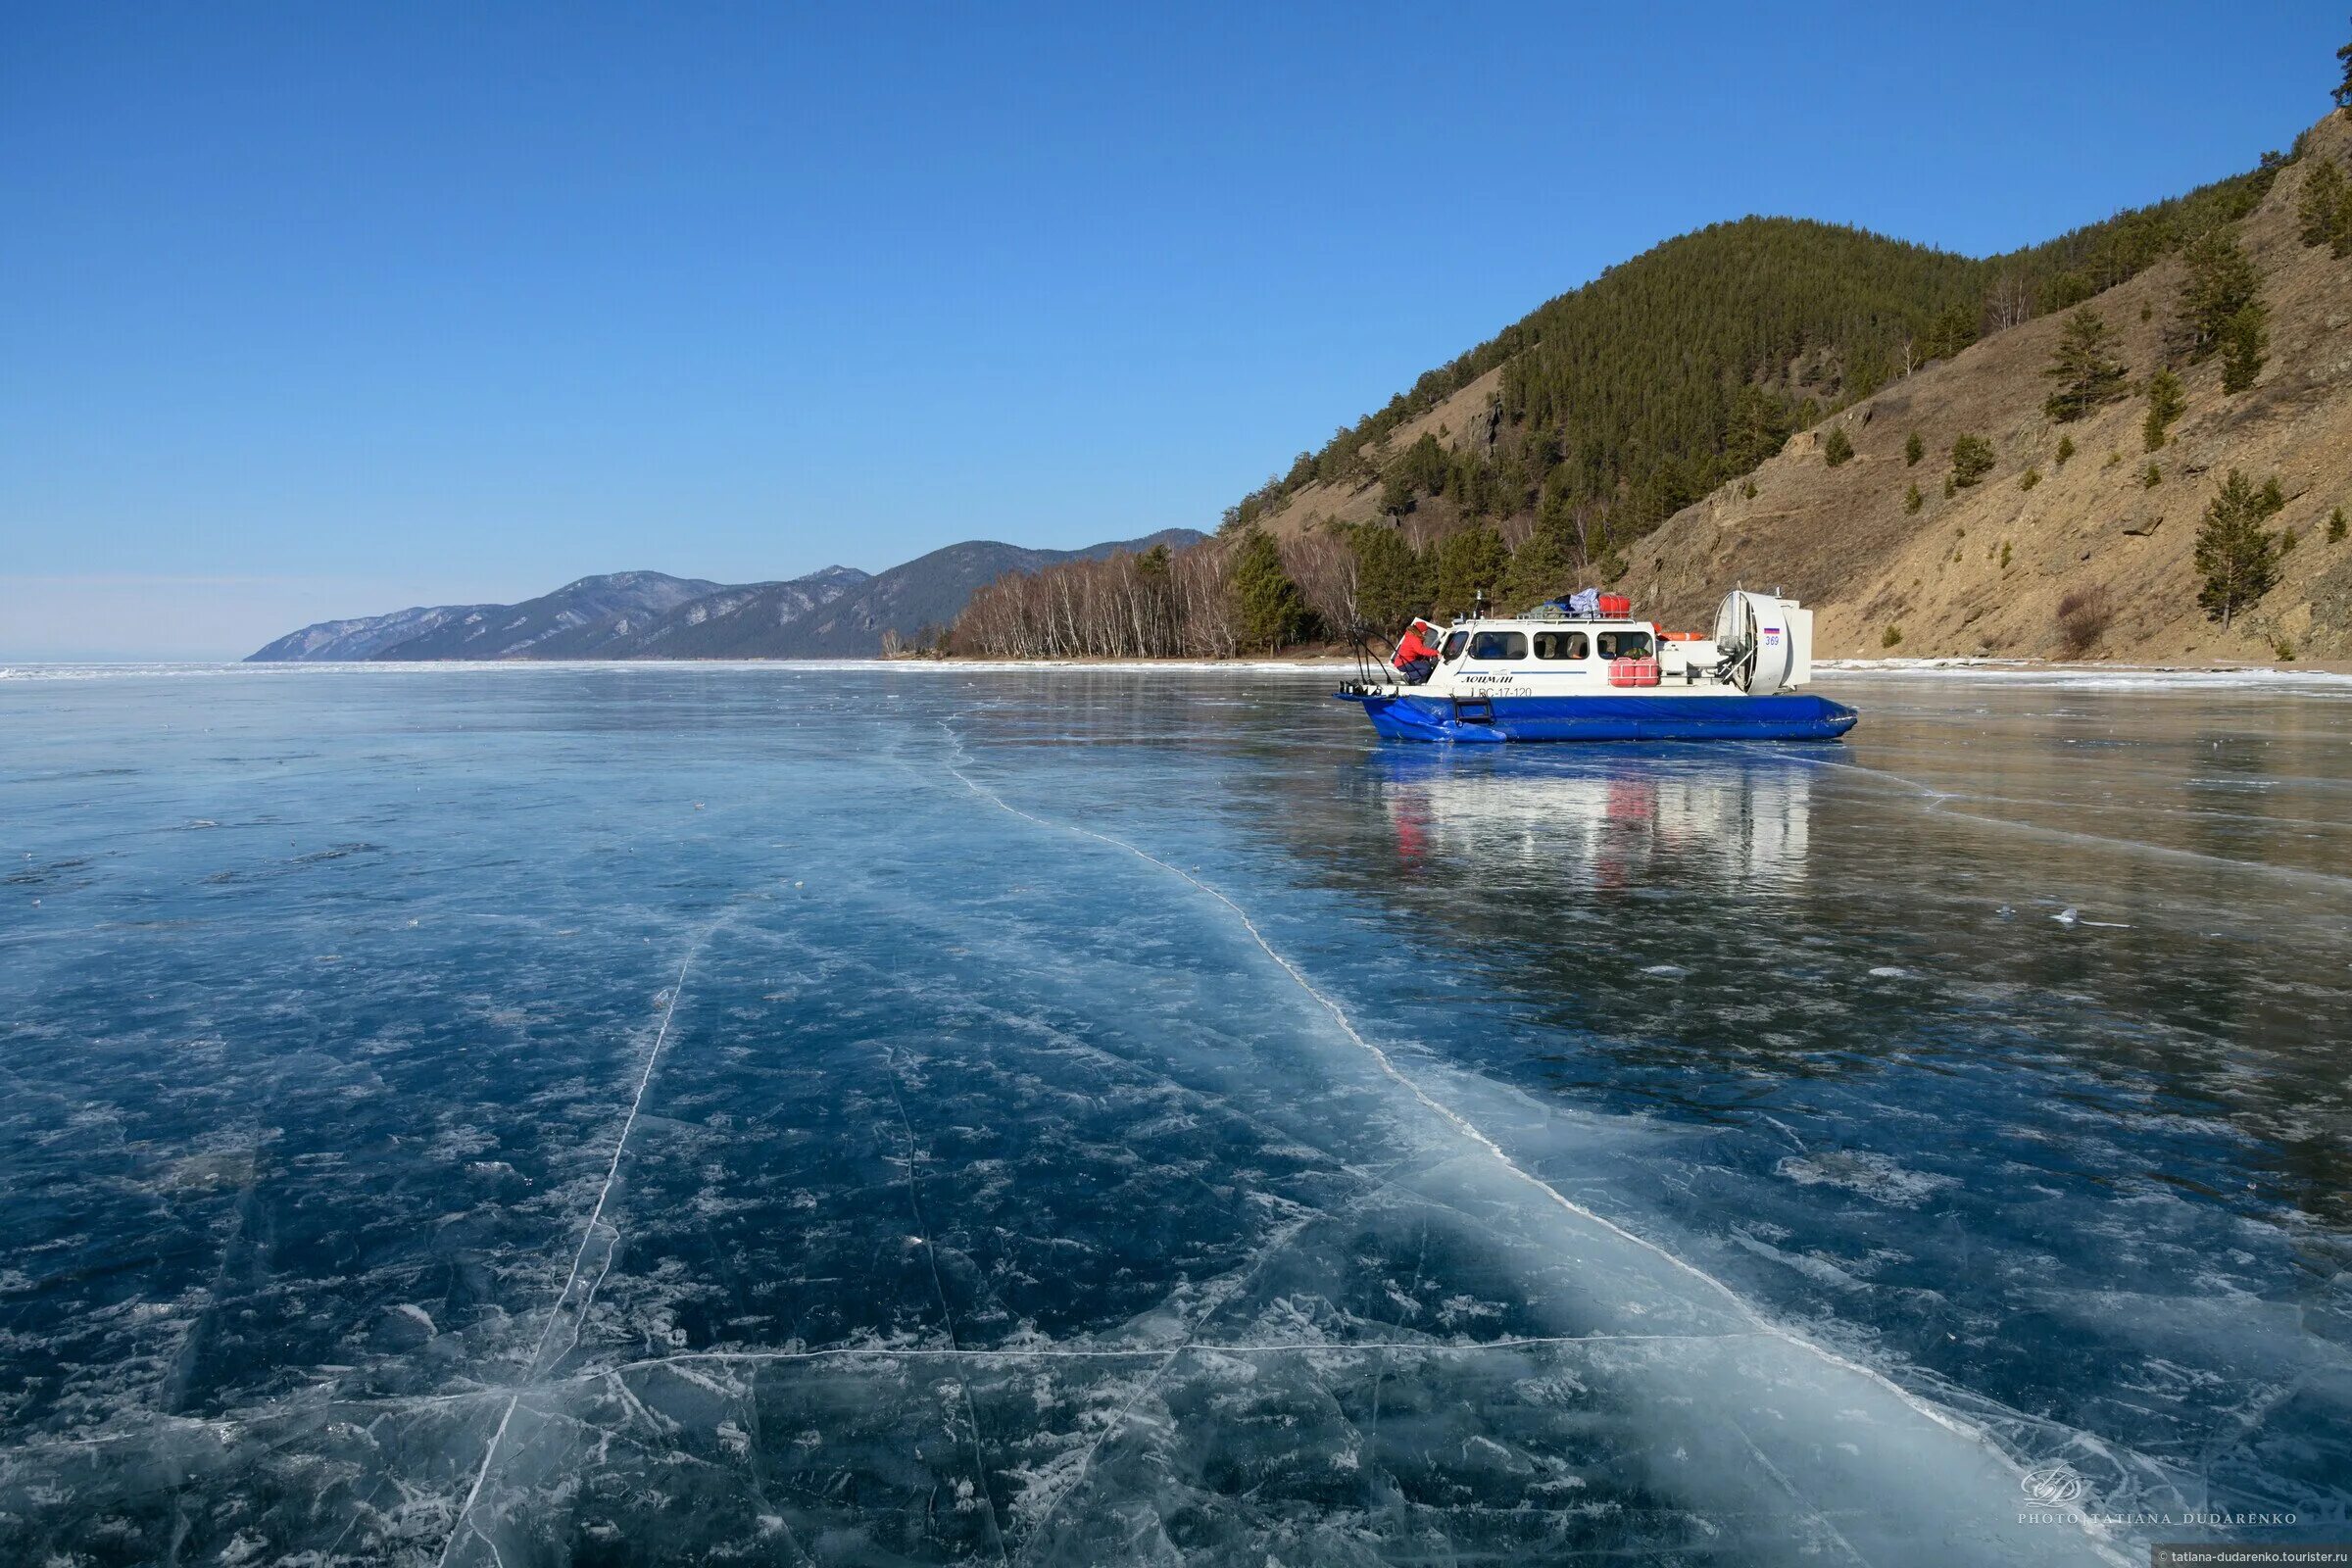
(1416, 655)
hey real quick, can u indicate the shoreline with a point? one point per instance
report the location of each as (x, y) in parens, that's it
(1988, 664)
(2215, 672)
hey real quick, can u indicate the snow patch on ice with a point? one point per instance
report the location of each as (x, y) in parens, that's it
(1871, 1175)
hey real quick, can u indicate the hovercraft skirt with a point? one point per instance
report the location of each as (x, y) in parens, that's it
(1789, 716)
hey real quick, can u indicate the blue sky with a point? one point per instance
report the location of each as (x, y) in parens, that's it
(323, 309)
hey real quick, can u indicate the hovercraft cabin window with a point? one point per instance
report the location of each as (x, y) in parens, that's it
(1453, 645)
(1560, 645)
(1499, 644)
(1626, 645)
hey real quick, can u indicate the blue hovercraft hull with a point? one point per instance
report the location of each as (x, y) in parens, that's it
(1790, 717)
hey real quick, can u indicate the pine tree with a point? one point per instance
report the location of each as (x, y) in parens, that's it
(2336, 527)
(2220, 285)
(1759, 428)
(1837, 448)
(2165, 403)
(1914, 449)
(1544, 567)
(1421, 469)
(2237, 555)
(1271, 611)
(2320, 210)
(1470, 562)
(1953, 331)
(1427, 462)
(1392, 579)
(1395, 495)
(2066, 290)
(2086, 376)
(2066, 449)
(1971, 460)
(2343, 94)
(2245, 346)
(1913, 500)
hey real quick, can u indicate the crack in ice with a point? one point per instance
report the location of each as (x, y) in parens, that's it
(533, 1369)
(1467, 1129)
(464, 1524)
(1936, 805)
(1781, 1480)
(1147, 1352)
(914, 1201)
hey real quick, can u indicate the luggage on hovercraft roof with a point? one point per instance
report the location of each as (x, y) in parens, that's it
(1591, 604)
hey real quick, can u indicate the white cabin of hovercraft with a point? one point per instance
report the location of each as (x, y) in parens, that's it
(1762, 644)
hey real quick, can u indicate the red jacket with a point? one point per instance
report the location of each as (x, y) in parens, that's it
(1412, 646)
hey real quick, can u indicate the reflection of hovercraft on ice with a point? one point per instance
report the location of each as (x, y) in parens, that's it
(1582, 668)
(1743, 820)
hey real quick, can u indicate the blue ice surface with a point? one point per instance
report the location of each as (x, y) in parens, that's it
(910, 1114)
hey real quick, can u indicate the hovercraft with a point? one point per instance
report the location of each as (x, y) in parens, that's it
(1582, 668)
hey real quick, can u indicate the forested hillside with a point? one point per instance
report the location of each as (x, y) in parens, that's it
(1693, 362)
(2161, 474)
(1547, 455)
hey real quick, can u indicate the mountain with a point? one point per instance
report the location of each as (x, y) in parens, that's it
(838, 612)
(931, 590)
(1625, 400)
(518, 632)
(363, 636)
(1683, 424)
(2083, 557)
(740, 622)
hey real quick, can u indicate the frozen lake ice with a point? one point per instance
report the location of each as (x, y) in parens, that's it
(617, 1114)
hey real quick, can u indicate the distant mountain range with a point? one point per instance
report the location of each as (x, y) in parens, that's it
(838, 612)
